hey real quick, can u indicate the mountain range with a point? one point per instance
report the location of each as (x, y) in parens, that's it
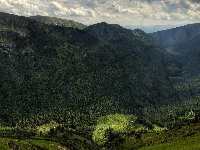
(171, 38)
(61, 73)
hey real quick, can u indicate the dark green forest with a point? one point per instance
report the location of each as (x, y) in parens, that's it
(93, 87)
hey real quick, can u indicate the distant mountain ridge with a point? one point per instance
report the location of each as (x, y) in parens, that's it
(150, 28)
(182, 41)
(171, 38)
(58, 21)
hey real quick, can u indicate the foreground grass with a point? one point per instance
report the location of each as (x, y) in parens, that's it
(184, 138)
(10, 144)
(187, 143)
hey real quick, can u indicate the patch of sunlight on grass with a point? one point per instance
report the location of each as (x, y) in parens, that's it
(118, 122)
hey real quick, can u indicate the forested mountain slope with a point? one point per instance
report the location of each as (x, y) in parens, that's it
(183, 62)
(73, 86)
(147, 51)
(49, 67)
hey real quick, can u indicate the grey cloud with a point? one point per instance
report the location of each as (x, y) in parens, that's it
(195, 1)
(101, 1)
(116, 8)
(113, 8)
(173, 6)
(148, 1)
(93, 3)
(185, 4)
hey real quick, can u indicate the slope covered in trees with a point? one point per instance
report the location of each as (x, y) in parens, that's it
(74, 77)
(56, 67)
(182, 64)
(149, 54)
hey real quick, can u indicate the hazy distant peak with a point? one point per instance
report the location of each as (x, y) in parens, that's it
(175, 36)
(151, 28)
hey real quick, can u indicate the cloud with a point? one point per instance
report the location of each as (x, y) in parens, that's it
(91, 3)
(111, 11)
(194, 14)
(177, 16)
(56, 8)
(148, 1)
(185, 4)
(194, 1)
(82, 12)
(20, 7)
(110, 15)
(116, 8)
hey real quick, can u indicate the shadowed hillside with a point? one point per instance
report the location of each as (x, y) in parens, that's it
(174, 37)
(183, 45)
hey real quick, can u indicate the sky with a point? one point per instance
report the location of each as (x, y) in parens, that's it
(123, 12)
